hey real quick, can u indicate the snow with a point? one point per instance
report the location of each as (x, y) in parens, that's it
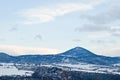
(10, 69)
(118, 64)
(88, 68)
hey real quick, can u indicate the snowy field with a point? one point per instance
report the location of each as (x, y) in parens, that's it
(10, 69)
(88, 68)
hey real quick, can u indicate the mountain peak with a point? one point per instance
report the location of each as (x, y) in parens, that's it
(78, 51)
(78, 48)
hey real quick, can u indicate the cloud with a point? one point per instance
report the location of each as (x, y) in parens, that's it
(111, 14)
(42, 15)
(21, 50)
(38, 36)
(104, 41)
(100, 28)
(13, 29)
(92, 28)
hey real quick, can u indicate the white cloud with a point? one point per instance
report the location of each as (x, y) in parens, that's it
(21, 50)
(92, 28)
(43, 15)
(108, 15)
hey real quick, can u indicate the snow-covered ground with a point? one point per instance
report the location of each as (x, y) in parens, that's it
(10, 69)
(24, 69)
(87, 68)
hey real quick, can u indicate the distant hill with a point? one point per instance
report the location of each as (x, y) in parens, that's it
(73, 56)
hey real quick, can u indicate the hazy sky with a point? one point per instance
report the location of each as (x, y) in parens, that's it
(53, 26)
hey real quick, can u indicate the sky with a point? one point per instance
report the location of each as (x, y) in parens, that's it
(54, 26)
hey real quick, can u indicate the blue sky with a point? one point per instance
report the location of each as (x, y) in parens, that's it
(54, 26)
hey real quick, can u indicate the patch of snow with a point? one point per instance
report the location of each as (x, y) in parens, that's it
(10, 69)
(89, 68)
